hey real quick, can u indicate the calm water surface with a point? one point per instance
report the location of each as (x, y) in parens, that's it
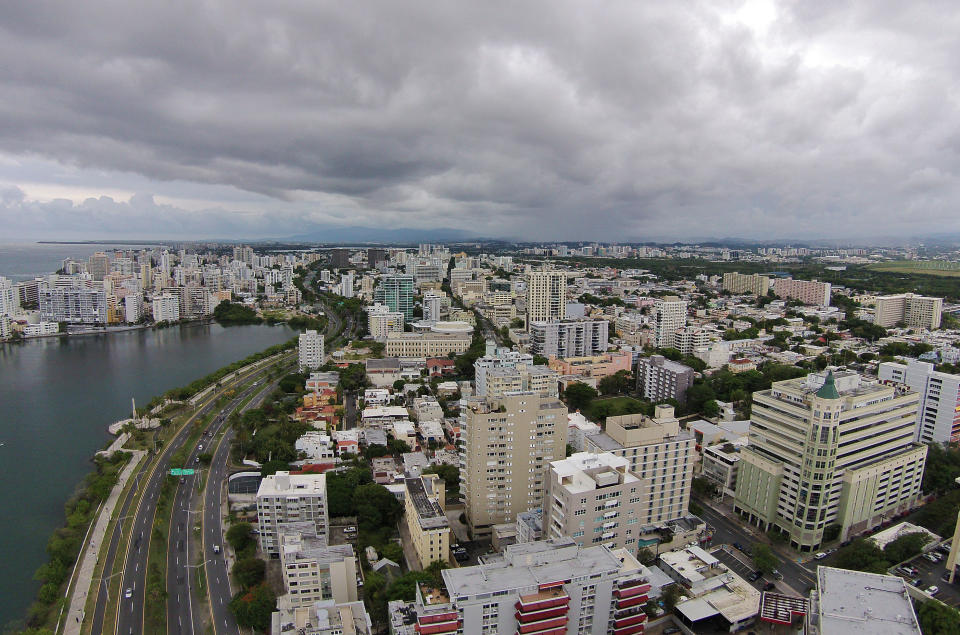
(57, 397)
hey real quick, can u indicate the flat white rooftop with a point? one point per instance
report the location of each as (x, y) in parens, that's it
(858, 603)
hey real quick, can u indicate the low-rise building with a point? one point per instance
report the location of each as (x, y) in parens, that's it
(858, 603)
(314, 571)
(598, 366)
(323, 618)
(578, 429)
(426, 344)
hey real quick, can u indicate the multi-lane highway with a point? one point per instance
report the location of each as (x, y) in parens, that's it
(130, 610)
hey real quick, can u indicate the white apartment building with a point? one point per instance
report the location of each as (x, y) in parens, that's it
(166, 308)
(501, 359)
(432, 302)
(310, 350)
(539, 379)
(73, 304)
(381, 321)
(806, 291)
(9, 298)
(660, 454)
(323, 618)
(578, 429)
(690, 338)
(939, 418)
(829, 449)
(285, 498)
(549, 587)
(313, 571)
(316, 446)
(133, 308)
(508, 444)
(546, 296)
(594, 499)
(910, 309)
(659, 378)
(569, 338)
(669, 314)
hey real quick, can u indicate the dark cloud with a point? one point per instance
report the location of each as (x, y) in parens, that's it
(552, 119)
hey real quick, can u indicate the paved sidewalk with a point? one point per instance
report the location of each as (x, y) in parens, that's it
(91, 551)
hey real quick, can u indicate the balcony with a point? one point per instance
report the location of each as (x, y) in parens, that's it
(634, 601)
(632, 620)
(628, 630)
(546, 599)
(438, 628)
(541, 615)
(543, 627)
(631, 591)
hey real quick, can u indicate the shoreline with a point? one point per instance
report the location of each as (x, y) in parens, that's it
(108, 330)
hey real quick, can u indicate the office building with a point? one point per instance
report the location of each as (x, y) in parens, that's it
(939, 418)
(340, 258)
(806, 291)
(594, 499)
(508, 444)
(9, 298)
(659, 454)
(829, 449)
(426, 345)
(376, 257)
(659, 378)
(741, 283)
(314, 571)
(426, 520)
(546, 296)
(669, 314)
(849, 602)
(550, 587)
(428, 272)
(166, 308)
(73, 304)
(908, 309)
(569, 338)
(323, 618)
(396, 292)
(285, 498)
(310, 350)
(381, 321)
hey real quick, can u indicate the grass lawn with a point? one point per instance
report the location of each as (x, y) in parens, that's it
(614, 406)
(931, 268)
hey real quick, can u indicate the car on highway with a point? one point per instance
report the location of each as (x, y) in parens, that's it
(128, 593)
(216, 549)
(776, 574)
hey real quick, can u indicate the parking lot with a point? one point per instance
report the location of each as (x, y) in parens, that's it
(929, 574)
(740, 564)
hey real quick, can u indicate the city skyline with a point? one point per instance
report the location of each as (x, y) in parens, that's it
(551, 122)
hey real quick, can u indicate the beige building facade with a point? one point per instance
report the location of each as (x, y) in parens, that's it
(426, 344)
(753, 283)
(424, 507)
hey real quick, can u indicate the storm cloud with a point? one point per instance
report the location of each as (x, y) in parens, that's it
(536, 120)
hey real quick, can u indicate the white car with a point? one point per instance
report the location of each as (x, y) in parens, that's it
(216, 549)
(932, 590)
(128, 593)
(819, 556)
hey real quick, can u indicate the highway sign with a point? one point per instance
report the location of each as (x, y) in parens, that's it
(181, 472)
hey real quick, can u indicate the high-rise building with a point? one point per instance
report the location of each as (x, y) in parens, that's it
(910, 309)
(939, 419)
(829, 449)
(595, 499)
(98, 265)
(314, 571)
(690, 338)
(381, 321)
(340, 258)
(432, 302)
(569, 338)
(426, 520)
(310, 350)
(753, 283)
(346, 284)
(376, 257)
(659, 379)
(509, 442)
(669, 314)
(503, 358)
(73, 304)
(284, 499)
(166, 308)
(549, 587)
(133, 308)
(546, 296)
(9, 298)
(396, 292)
(428, 272)
(806, 291)
(660, 454)
(539, 379)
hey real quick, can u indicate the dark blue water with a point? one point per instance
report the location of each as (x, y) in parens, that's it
(57, 397)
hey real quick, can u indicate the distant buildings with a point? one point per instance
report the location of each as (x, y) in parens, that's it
(910, 309)
(597, 366)
(166, 308)
(9, 298)
(310, 350)
(740, 283)
(669, 314)
(569, 338)
(659, 378)
(509, 442)
(806, 291)
(939, 418)
(285, 498)
(829, 450)
(546, 296)
(396, 292)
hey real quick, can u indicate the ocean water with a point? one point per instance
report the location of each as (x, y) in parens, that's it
(25, 261)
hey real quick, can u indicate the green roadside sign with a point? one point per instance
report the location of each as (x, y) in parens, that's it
(181, 472)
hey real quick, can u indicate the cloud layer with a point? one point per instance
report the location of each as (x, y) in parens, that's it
(551, 120)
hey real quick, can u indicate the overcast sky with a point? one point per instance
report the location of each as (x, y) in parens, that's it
(537, 120)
